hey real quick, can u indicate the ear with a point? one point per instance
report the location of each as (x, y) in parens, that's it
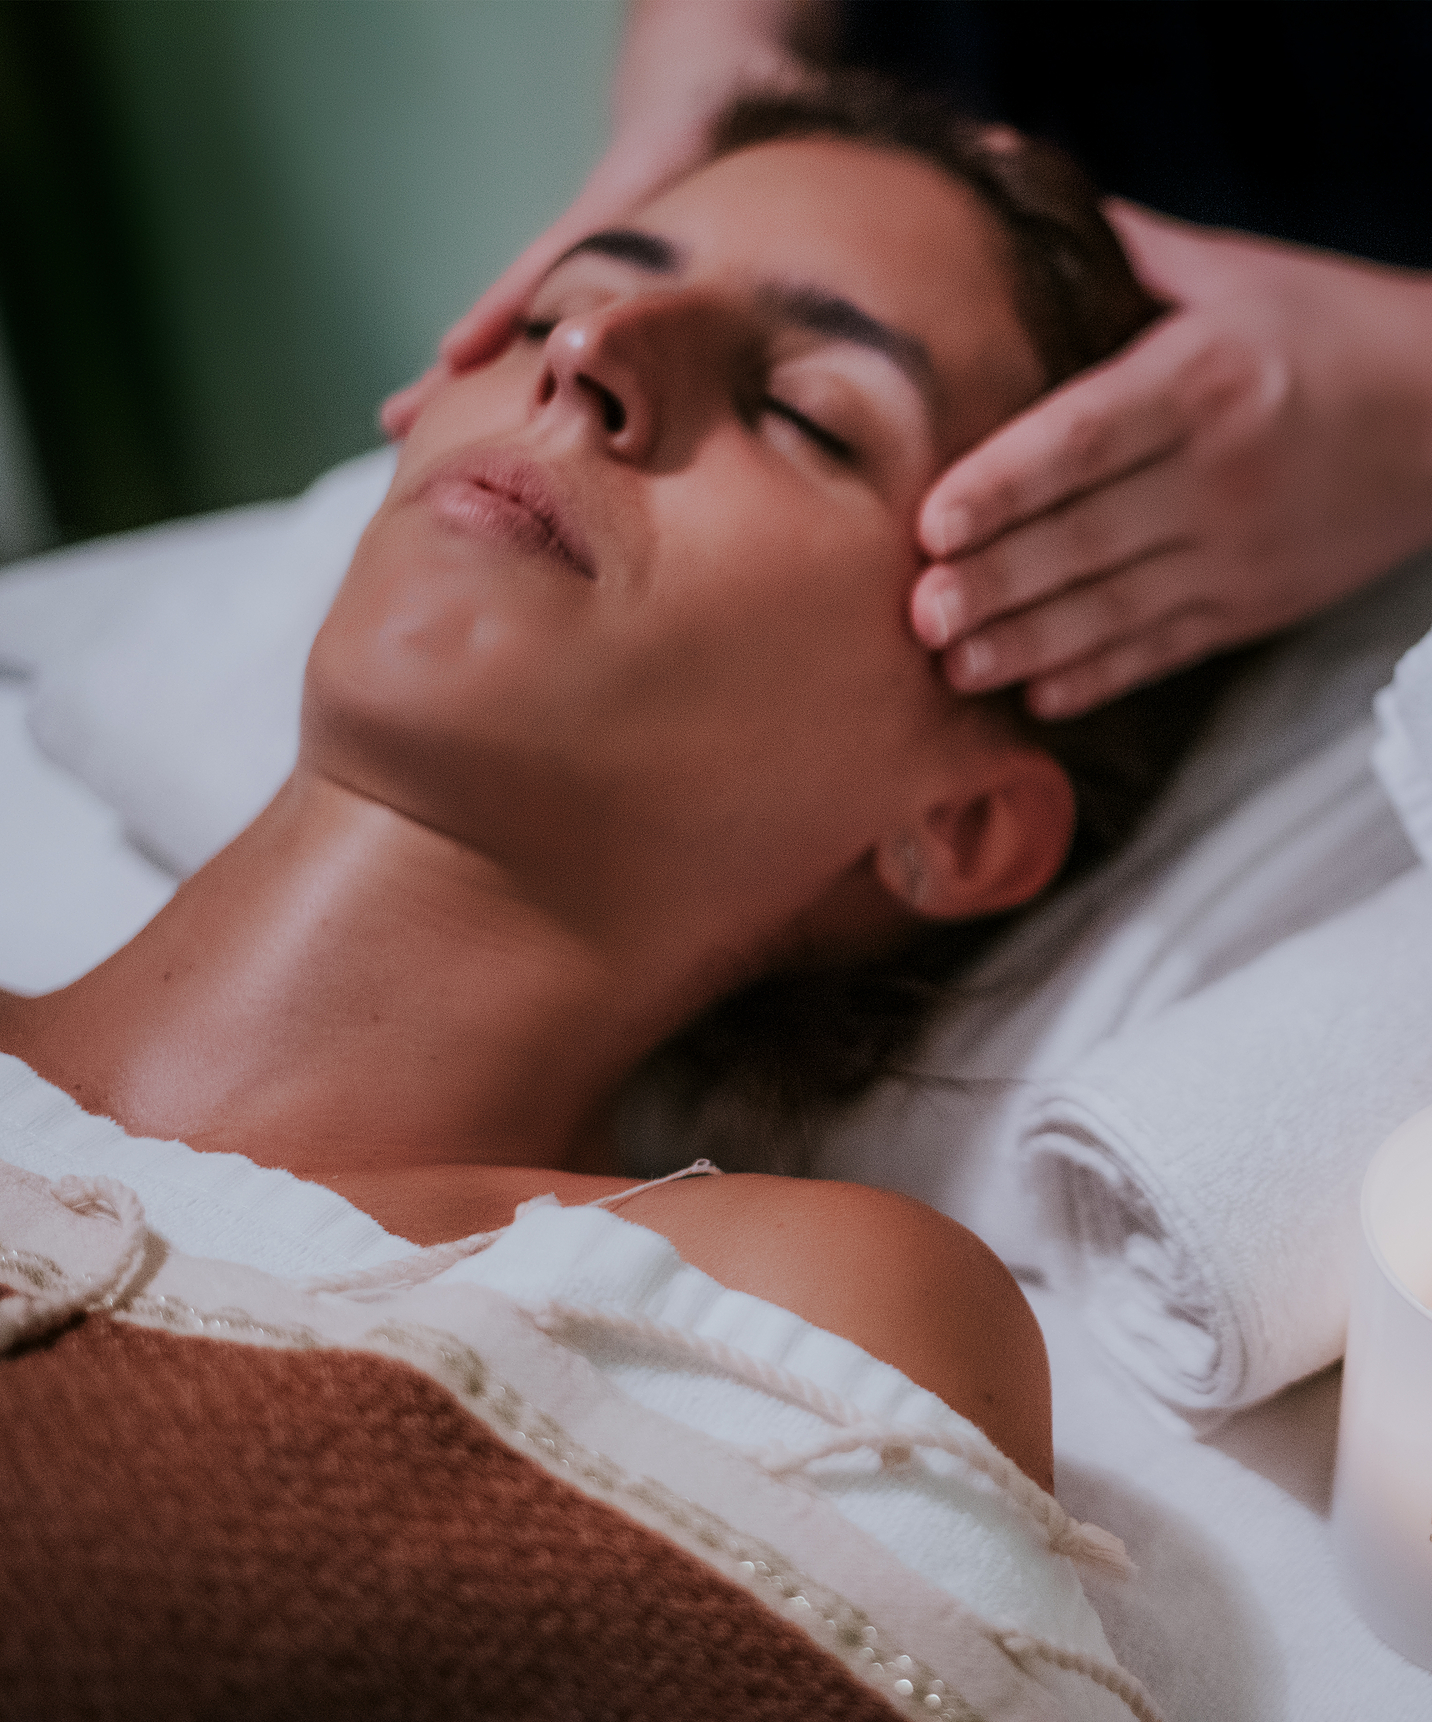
(986, 846)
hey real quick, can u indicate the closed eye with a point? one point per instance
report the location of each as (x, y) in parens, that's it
(818, 434)
(538, 329)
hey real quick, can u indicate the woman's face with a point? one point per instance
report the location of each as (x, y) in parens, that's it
(632, 618)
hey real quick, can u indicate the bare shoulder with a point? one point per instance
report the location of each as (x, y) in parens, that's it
(906, 1283)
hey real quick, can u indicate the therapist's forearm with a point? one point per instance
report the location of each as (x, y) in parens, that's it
(681, 58)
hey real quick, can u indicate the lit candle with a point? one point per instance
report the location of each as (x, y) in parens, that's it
(1382, 1493)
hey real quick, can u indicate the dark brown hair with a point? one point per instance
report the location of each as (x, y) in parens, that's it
(752, 1077)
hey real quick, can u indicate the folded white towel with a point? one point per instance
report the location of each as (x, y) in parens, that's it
(1197, 1177)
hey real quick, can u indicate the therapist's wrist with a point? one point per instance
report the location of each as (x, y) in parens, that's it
(683, 59)
(1381, 382)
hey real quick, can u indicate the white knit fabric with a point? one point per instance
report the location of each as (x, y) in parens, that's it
(214, 1205)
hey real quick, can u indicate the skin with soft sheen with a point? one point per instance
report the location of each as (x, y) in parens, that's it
(618, 707)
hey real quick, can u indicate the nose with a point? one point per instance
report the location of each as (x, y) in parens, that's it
(639, 372)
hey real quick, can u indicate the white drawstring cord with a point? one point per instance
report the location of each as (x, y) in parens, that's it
(427, 1264)
(406, 1271)
(1123, 1685)
(42, 1301)
(895, 1443)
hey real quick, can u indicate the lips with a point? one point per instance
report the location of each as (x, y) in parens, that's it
(490, 493)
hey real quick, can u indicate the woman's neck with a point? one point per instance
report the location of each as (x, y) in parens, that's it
(345, 990)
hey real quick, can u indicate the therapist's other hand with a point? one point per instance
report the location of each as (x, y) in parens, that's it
(680, 63)
(631, 170)
(1261, 452)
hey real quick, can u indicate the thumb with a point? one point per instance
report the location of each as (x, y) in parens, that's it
(629, 173)
(1164, 252)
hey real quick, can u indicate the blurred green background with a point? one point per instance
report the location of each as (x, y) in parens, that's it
(229, 227)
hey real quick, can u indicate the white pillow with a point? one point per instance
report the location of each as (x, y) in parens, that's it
(167, 669)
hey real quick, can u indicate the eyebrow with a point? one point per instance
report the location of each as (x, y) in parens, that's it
(809, 308)
(644, 251)
(830, 315)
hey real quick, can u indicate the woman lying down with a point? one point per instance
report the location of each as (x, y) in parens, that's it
(616, 718)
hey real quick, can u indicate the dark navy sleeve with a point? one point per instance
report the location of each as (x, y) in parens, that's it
(1306, 122)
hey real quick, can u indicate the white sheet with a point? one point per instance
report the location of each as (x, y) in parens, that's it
(1239, 1615)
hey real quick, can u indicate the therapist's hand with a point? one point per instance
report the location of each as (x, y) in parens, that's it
(680, 64)
(1258, 454)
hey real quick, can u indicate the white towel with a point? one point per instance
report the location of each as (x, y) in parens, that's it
(71, 889)
(1197, 1177)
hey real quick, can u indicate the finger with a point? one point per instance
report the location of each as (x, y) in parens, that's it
(398, 412)
(619, 182)
(1143, 514)
(1167, 255)
(936, 612)
(1174, 644)
(1144, 404)
(1074, 625)
(481, 333)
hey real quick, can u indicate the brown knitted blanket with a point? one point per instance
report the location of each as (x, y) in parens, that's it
(196, 1529)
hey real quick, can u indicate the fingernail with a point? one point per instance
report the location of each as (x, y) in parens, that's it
(953, 612)
(941, 614)
(1048, 700)
(956, 531)
(393, 413)
(974, 664)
